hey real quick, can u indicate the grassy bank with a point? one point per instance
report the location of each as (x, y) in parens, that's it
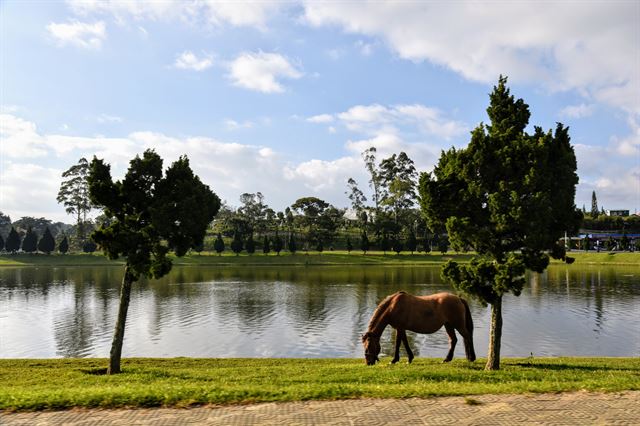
(313, 258)
(180, 382)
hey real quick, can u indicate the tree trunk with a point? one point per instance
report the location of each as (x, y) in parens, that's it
(118, 334)
(495, 336)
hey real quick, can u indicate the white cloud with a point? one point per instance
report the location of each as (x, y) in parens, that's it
(211, 12)
(235, 125)
(106, 118)
(79, 34)
(321, 118)
(591, 47)
(577, 111)
(376, 118)
(187, 60)
(262, 71)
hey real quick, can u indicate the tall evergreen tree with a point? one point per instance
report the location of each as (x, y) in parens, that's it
(149, 213)
(266, 247)
(74, 193)
(250, 245)
(384, 243)
(349, 245)
(277, 244)
(89, 246)
(291, 244)
(364, 242)
(412, 242)
(63, 247)
(1, 243)
(594, 205)
(47, 244)
(236, 243)
(509, 196)
(13, 242)
(218, 244)
(30, 241)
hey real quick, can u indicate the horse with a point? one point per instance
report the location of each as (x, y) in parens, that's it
(420, 314)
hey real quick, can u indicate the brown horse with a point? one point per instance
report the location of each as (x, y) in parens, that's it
(420, 314)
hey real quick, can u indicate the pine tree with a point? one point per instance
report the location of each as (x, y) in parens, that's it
(218, 245)
(277, 244)
(63, 247)
(250, 245)
(1, 243)
(594, 205)
(47, 244)
(236, 243)
(13, 241)
(266, 248)
(30, 241)
(349, 245)
(364, 242)
(319, 246)
(291, 245)
(89, 246)
(384, 243)
(412, 242)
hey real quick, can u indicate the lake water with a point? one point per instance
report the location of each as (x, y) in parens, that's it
(301, 312)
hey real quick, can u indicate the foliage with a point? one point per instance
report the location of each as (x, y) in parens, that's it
(277, 244)
(46, 244)
(236, 243)
(364, 242)
(250, 245)
(266, 247)
(218, 244)
(594, 205)
(396, 244)
(356, 197)
(384, 242)
(182, 382)
(349, 245)
(291, 244)
(149, 214)
(30, 241)
(509, 196)
(5, 224)
(1, 243)
(412, 242)
(63, 247)
(89, 246)
(74, 193)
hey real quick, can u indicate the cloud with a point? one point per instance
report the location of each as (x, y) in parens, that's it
(376, 118)
(79, 34)
(235, 125)
(561, 46)
(577, 111)
(210, 12)
(261, 72)
(321, 118)
(187, 60)
(106, 118)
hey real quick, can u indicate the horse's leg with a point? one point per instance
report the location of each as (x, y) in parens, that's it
(451, 331)
(468, 344)
(406, 346)
(396, 356)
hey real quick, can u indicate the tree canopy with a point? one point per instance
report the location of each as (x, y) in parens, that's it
(148, 214)
(74, 193)
(509, 196)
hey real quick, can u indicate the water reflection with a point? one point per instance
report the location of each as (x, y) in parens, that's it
(301, 312)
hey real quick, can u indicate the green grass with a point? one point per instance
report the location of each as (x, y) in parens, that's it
(313, 258)
(182, 382)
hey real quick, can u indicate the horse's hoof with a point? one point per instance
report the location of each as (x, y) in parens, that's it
(393, 361)
(446, 360)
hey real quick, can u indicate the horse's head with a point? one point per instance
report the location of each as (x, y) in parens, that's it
(371, 345)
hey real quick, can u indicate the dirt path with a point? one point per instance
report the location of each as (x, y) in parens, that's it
(577, 408)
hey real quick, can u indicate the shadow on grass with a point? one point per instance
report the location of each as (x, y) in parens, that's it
(569, 367)
(94, 371)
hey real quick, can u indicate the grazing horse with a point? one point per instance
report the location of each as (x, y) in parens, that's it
(420, 314)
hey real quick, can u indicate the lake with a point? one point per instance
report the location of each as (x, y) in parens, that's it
(301, 312)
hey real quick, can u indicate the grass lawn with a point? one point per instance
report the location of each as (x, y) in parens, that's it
(313, 258)
(180, 382)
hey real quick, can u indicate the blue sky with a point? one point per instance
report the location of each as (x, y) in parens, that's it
(282, 97)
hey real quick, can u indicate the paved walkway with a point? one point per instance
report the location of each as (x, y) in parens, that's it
(578, 408)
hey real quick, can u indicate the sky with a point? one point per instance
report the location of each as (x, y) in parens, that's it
(282, 97)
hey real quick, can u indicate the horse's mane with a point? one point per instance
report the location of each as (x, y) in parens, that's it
(380, 309)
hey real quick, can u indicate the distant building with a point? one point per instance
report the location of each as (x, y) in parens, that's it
(621, 213)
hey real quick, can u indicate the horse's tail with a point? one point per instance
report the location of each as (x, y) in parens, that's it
(471, 353)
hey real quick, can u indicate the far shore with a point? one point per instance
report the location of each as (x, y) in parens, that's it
(312, 258)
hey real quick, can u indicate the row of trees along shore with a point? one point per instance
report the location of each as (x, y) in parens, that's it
(508, 197)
